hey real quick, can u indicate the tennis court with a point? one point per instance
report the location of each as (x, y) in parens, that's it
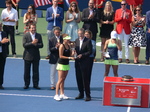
(15, 99)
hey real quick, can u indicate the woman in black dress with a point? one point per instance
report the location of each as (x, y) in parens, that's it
(107, 20)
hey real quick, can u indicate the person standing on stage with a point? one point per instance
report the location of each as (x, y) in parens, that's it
(123, 18)
(9, 17)
(90, 18)
(137, 37)
(72, 19)
(30, 17)
(65, 54)
(54, 44)
(15, 5)
(112, 46)
(107, 25)
(3, 54)
(32, 42)
(83, 48)
(88, 34)
(147, 37)
(54, 17)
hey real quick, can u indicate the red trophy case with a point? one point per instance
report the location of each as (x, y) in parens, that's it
(122, 93)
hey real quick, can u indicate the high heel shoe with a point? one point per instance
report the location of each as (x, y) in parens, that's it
(101, 59)
(147, 62)
(136, 62)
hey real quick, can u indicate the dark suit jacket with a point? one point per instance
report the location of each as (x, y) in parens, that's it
(3, 34)
(86, 49)
(54, 55)
(90, 24)
(31, 52)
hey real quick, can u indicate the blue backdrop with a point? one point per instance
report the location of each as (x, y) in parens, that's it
(82, 4)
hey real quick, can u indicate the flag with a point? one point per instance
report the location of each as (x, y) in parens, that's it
(41, 2)
(69, 1)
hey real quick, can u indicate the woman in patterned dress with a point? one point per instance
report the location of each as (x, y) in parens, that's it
(29, 18)
(137, 38)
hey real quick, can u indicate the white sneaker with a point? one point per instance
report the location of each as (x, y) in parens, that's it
(63, 97)
(56, 97)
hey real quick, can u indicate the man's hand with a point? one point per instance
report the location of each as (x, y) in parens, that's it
(53, 15)
(35, 41)
(79, 56)
(57, 45)
(57, 15)
(148, 30)
(4, 40)
(91, 16)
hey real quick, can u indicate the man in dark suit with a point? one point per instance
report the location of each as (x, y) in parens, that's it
(83, 49)
(32, 41)
(90, 17)
(3, 54)
(54, 44)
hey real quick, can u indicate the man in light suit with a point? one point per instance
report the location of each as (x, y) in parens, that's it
(32, 41)
(83, 49)
(123, 18)
(54, 44)
(54, 17)
(90, 17)
(3, 53)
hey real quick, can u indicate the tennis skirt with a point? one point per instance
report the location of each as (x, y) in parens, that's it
(62, 67)
(111, 62)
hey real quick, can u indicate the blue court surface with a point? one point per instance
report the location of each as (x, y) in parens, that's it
(15, 99)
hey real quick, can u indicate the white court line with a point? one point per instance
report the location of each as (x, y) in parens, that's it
(18, 58)
(128, 110)
(39, 96)
(6, 94)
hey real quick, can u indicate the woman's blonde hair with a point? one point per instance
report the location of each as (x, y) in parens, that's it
(77, 8)
(111, 8)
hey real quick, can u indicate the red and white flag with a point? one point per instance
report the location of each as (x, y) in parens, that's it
(69, 1)
(41, 2)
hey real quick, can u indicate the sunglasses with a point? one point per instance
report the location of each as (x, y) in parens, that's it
(73, 6)
(30, 8)
(138, 10)
(123, 4)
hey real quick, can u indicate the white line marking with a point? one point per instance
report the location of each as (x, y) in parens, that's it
(128, 110)
(40, 96)
(6, 94)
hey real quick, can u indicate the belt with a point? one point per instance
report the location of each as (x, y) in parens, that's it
(139, 26)
(8, 25)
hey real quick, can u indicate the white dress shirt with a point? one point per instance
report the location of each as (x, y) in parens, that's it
(12, 15)
(81, 42)
(91, 12)
(32, 36)
(55, 13)
(58, 39)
